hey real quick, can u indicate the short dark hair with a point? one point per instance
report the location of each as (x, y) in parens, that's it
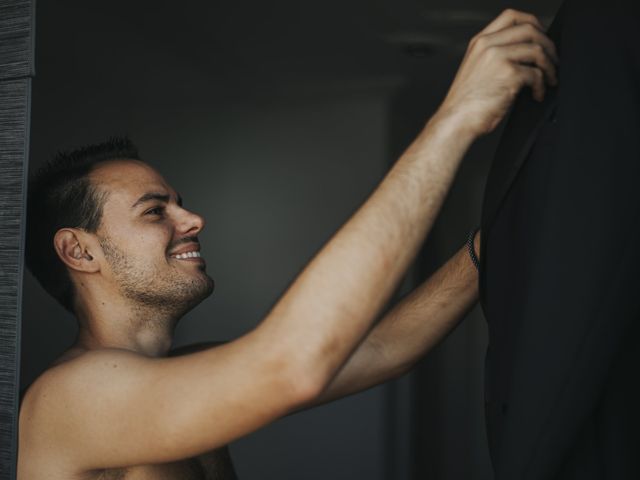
(60, 194)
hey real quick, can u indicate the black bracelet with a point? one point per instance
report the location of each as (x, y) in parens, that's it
(472, 250)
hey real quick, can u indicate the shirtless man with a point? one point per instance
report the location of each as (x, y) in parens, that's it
(126, 261)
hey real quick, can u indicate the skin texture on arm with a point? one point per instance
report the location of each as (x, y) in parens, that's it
(354, 275)
(406, 333)
(411, 329)
(154, 410)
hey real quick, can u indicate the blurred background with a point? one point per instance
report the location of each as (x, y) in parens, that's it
(275, 120)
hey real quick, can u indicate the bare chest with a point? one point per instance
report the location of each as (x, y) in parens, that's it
(215, 465)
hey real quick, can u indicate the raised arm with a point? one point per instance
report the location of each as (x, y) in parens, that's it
(411, 329)
(137, 410)
(352, 278)
(406, 333)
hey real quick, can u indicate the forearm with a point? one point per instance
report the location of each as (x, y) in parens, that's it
(411, 329)
(331, 306)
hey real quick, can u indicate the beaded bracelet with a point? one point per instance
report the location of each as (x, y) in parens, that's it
(472, 250)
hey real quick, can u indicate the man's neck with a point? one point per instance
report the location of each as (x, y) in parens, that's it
(138, 329)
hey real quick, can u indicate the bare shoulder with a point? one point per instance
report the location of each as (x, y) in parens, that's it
(45, 419)
(72, 374)
(107, 408)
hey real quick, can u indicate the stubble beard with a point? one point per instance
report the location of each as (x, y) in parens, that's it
(167, 292)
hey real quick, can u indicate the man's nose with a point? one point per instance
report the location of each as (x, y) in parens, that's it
(190, 222)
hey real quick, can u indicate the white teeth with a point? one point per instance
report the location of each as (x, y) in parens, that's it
(188, 255)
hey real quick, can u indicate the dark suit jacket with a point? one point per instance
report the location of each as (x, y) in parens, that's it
(560, 261)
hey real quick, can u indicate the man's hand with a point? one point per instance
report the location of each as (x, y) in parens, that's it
(508, 54)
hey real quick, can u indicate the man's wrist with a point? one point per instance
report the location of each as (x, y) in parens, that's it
(454, 123)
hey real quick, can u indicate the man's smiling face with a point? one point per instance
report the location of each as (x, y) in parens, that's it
(149, 240)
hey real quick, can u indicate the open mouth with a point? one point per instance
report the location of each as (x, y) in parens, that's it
(187, 255)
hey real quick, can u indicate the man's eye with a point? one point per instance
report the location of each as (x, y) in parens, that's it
(155, 211)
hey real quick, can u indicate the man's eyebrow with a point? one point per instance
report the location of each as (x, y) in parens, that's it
(147, 197)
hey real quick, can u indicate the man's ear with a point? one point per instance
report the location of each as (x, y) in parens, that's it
(74, 248)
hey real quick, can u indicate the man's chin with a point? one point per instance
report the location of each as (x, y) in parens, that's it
(203, 289)
(200, 281)
(211, 286)
(184, 304)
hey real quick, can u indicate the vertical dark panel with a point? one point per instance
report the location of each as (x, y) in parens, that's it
(16, 70)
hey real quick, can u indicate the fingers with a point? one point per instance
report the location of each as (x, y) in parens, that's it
(508, 18)
(523, 33)
(532, 54)
(532, 77)
(515, 39)
(512, 52)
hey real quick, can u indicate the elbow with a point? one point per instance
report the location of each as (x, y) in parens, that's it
(305, 385)
(299, 374)
(303, 380)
